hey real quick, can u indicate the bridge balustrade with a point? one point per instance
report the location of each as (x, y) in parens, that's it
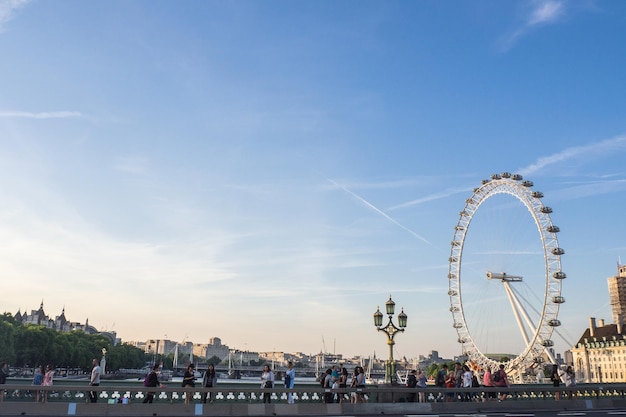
(247, 393)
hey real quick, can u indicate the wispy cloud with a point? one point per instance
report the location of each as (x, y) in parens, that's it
(8, 9)
(545, 12)
(41, 115)
(542, 12)
(586, 151)
(590, 189)
(379, 211)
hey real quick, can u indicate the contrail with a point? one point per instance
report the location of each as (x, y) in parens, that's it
(377, 210)
(41, 115)
(603, 147)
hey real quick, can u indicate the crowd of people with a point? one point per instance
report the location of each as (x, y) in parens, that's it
(567, 376)
(332, 379)
(463, 377)
(336, 378)
(43, 377)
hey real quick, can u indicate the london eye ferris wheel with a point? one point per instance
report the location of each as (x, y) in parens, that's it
(505, 276)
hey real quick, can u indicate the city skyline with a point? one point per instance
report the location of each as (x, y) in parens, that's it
(269, 173)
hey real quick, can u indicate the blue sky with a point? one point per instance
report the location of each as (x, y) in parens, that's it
(269, 172)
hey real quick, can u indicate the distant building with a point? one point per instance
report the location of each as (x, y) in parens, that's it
(216, 348)
(158, 346)
(61, 323)
(600, 354)
(434, 356)
(242, 358)
(186, 351)
(617, 294)
(277, 357)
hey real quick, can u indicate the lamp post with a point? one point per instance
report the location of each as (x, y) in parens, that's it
(390, 330)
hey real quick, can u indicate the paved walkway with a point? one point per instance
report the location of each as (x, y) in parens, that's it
(8, 408)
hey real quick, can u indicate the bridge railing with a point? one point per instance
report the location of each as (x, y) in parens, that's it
(243, 393)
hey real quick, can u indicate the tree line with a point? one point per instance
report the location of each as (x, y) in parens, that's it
(29, 345)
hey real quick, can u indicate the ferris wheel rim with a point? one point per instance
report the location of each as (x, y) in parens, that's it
(511, 184)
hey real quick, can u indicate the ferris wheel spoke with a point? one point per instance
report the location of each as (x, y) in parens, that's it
(547, 351)
(517, 310)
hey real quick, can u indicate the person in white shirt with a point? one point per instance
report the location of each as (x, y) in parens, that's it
(95, 380)
(267, 381)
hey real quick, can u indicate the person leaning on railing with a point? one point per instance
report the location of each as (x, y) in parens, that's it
(47, 381)
(488, 383)
(421, 383)
(570, 381)
(411, 382)
(189, 380)
(500, 379)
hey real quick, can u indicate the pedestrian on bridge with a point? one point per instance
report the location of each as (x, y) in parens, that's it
(267, 381)
(290, 376)
(189, 380)
(209, 381)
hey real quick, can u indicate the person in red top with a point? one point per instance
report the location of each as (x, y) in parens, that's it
(500, 379)
(488, 383)
(450, 383)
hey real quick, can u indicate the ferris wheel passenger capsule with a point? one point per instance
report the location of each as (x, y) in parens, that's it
(506, 175)
(527, 183)
(554, 323)
(557, 299)
(559, 275)
(517, 177)
(558, 251)
(547, 343)
(553, 229)
(495, 176)
(546, 210)
(537, 194)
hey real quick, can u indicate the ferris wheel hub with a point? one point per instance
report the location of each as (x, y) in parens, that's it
(503, 276)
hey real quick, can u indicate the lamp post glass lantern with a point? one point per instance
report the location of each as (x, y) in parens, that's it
(390, 330)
